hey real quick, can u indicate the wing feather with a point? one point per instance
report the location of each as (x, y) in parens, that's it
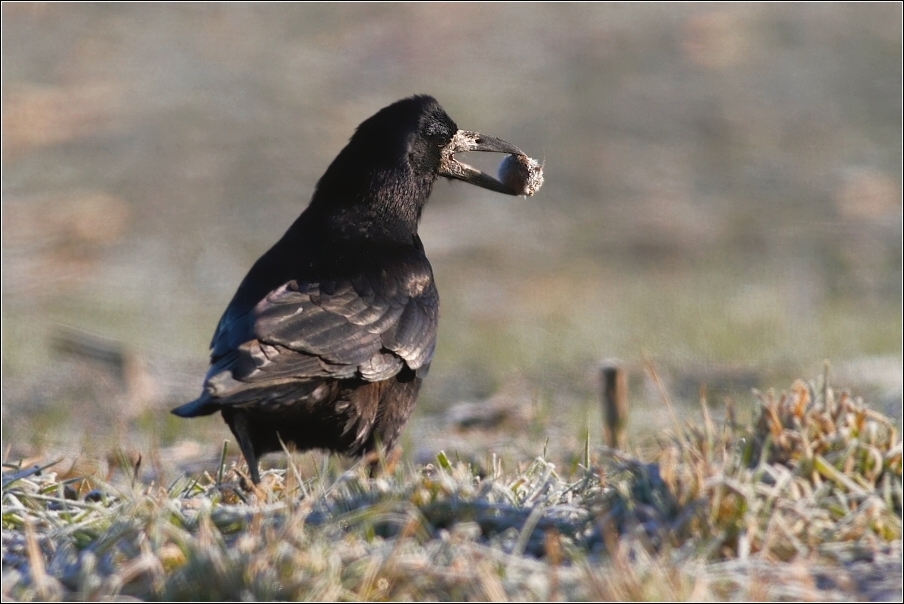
(371, 325)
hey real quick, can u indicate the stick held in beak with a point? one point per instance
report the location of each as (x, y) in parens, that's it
(468, 140)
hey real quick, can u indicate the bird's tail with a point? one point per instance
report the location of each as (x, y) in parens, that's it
(198, 407)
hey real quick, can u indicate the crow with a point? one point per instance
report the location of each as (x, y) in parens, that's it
(327, 340)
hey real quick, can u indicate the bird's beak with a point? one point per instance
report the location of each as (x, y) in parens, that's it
(467, 140)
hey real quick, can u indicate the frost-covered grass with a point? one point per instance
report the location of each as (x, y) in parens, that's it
(805, 503)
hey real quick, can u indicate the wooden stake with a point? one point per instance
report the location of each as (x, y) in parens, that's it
(614, 381)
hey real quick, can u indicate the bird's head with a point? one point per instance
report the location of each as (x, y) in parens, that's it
(390, 164)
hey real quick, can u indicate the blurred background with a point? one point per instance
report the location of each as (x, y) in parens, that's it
(722, 206)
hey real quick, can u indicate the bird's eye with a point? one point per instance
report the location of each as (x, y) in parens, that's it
(436, 132)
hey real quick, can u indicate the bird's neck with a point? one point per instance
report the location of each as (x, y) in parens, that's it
(387, 209)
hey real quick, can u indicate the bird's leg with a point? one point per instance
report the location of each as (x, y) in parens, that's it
(382, 462)
(243, 434)
(372, 461)
(392, 458)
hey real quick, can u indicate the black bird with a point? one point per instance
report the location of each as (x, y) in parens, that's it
(327, 339)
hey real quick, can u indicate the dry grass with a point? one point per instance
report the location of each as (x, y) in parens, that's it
(804, 504)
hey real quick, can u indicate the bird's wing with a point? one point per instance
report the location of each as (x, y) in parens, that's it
(368, 325)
